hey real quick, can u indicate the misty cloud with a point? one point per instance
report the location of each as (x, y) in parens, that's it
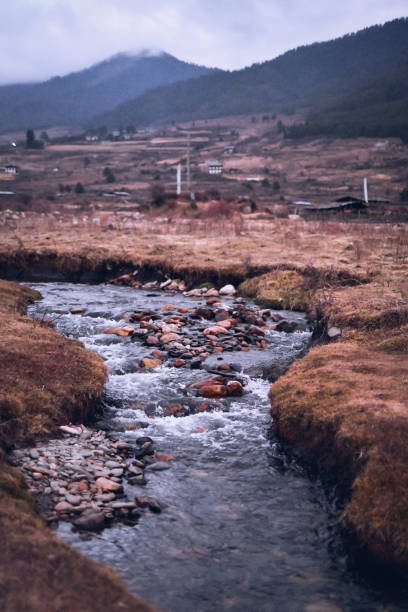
(42, 38)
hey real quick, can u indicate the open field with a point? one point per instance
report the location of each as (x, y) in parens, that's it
(315, 170)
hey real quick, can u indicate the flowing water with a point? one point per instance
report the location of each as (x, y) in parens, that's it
(244, 528)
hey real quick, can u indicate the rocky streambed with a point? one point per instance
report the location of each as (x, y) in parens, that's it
(178, 486)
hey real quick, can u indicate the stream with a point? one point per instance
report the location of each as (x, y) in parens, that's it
(243, 528)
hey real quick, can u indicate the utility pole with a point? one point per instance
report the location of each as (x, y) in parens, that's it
(179, 179)
(365, 190)
(188, 164)
(191, 193)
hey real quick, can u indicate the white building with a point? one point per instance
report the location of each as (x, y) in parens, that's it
(214, 167)
(9, 169)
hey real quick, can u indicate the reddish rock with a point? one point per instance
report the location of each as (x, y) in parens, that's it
(141, 502)
(226, 324)
(182, 309)
(172, 410)
(224, 366)
(218, 349)
(152, 341)
(213, 390)
(199, 430)
(179, 363)
(212, 293)
(170, 337)
(212, 301)
(168, 307)
(204, 406)
(209, 381)
(214, 331)
(126, 330)
(147, 325)
(162, 457)
(63, 506)
(256, 331)
(77, 310)
(205, 313)
(158, 355)
(108, 485)
(81, 485)
(146, 362)
(235, 388)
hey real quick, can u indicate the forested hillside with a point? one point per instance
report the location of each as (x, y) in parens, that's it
(330, 80)
(380, 108)
(73, 99)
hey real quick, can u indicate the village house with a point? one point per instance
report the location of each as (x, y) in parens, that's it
(9, 169)
(229, 149)
(214, 167)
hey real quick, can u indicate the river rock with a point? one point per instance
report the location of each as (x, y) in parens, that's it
(90, 520)
(196, 363)
(162, 457)
(286, 326)
(256, 331)
(225, 323)
(228, 290)
(334, 332)
(235, 388)
(169, 337)
(213, 390)
(74, 500)
(214, 331)
(63, 507)
(159, 466)
(146, 362)
(107, 485)
(126, 330)
(71, 429)
(143, 439)
(152, 341)
(179, 363)
(138, 480)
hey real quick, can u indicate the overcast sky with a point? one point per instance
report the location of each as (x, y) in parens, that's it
(43, 38)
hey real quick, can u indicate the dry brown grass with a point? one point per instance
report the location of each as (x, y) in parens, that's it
(279, 289)
(45, 379)
(346, 406)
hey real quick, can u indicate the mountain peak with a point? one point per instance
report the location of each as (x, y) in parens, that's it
(143, 53)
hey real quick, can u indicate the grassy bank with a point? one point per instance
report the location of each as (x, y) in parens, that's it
(344, 406)
(45, 380)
